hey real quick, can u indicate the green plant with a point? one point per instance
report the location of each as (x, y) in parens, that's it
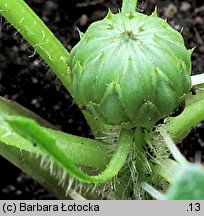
(122, 94)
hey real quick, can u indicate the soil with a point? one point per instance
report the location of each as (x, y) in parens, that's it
(25, 78)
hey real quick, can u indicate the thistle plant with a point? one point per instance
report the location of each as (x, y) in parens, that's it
(127, 72)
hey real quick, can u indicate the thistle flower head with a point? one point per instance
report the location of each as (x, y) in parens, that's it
(130, 70)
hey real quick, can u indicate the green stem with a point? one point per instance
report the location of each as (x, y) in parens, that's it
(178, 127)
(168, 169)
(76, 147)
(21, 16)
(141, 157)
(37, 134)
(129, 6)
(31, 166)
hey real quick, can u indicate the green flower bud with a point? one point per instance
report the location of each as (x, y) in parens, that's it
(130, 70)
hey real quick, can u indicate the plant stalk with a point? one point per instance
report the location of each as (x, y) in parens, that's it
(46, 141)
(78, 147)
(129, 6)
(32, 28)
(31, 166)
(179, 127)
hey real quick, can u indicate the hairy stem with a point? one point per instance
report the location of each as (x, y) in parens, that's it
(77, 147)
(21, 16)
(178, 127)
(99, 154)
(31, 166)
(129, 6)
(35, 133)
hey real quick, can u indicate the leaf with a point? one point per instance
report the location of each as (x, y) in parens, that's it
(83, 151)
(7, 136)
(187, 179)
(42, 137)
(73, 145)
(189, 184)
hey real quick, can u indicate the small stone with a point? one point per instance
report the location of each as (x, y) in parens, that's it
(51, 5)
(83, 20)
(24, 46)
(35, 102)
(11, 188)
(98, 14)
(170, 11)
(15, 48)
(185, 6)
(201, 49)
(34, 80)
(18, 192)
(5, 190)
(198, 20)
(36, 63)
